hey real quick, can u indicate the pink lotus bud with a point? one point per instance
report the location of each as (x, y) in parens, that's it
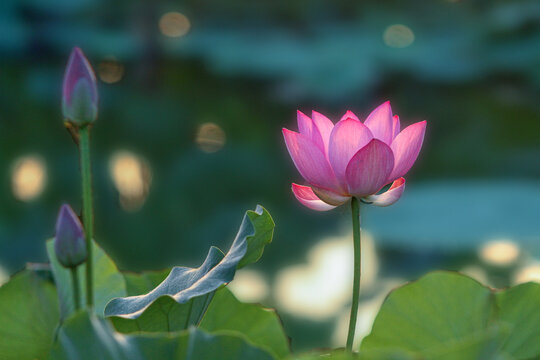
(352, 158)
(69, 243)
(79, 95)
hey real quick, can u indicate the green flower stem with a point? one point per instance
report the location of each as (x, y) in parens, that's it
(76, 291)
(88, 211)
(355, 207)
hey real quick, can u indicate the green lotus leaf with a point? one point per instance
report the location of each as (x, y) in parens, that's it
(260, 325)
(519, 310)
(341, 354)
(446, 315)
(192, 288)
(84, 336)
(28, 317)
(140, 283)
(108, 281)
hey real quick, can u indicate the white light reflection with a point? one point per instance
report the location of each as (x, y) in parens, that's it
(174, 24)
(527, 273)
(499, 252)
(4, 276)
(210, 137)
(322, 287)
(367, 311)
(477, 273)
(132, 178)
(28, 177)
(110, 70)
(249, 286)
(398, 36)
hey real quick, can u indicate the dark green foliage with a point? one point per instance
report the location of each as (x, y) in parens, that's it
(87, 337)
(28, 317)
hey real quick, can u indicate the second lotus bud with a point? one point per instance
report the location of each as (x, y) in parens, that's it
(69, 243)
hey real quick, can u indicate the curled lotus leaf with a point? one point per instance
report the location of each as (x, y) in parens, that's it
(185, 286)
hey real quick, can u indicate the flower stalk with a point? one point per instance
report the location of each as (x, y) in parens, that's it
(88, 211)
(80, 108)
(76, 289)
(355, 209)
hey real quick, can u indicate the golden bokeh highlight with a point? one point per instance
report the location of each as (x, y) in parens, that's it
(28, 177)
(132, 178)
(174, 24)
(4, 276)
(527, 273)
(320, 289)
(367, 312)
(499, 252)
(476, 272)
(249, 286)
(398, 36)
(110, 70)
(210, 137)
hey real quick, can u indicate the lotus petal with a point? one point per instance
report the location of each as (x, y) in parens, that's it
(309, 199)
(390, 196)
(369, 169)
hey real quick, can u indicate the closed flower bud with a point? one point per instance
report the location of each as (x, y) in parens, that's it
(69, 244)
(79, 95)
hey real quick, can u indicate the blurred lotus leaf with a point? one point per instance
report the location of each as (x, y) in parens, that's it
(85, 336)
(447, 315)
(29, 317)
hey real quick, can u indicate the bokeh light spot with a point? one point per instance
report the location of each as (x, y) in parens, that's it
(477, 273)
(174, 24)
(110, 71)
(28, 177)
(4, 276)
(499, 252)
(528, 273)
(249, 286)
(398, 36)
(321, 288)
(132, 178)
(210, 137)
(367, 311)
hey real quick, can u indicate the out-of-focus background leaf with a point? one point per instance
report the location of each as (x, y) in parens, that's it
(193, 96)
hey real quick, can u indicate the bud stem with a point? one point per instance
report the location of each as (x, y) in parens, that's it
(76, 291)
(88, 212)
(355, 207)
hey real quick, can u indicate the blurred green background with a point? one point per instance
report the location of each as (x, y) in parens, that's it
(193, 96)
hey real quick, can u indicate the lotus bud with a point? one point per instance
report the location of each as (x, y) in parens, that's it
(79, 95)
(69, 244)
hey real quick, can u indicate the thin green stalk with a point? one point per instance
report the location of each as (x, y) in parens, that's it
(355, 207)
(88, 211)
(76, 291)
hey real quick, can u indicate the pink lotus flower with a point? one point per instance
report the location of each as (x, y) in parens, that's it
(352, 158)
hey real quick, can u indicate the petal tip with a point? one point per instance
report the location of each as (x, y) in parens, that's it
(287, 131)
